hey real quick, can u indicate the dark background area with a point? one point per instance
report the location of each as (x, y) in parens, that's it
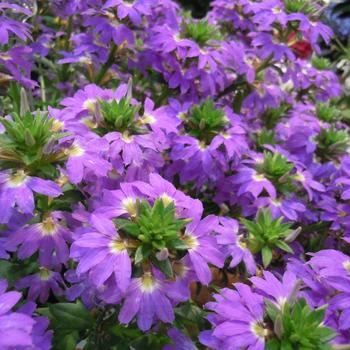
(198, 8)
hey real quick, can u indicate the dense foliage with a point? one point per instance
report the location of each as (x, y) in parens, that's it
(169, 182)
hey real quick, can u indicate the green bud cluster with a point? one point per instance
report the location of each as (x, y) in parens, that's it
(264, 137)
(321, 63)
(119, 116)
(201, 32)
(332, 143)
(276, 168)
(205, 121)
(158, 232)
(30, 142)
(297, 326)
(266, 234)
(327, 113)
(272, 116)
(303, 6)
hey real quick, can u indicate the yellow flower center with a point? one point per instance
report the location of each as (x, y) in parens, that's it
(299, 177)
(57, 125)
(148, 119)
(258, 177)
(130, 206)
(259, 330)
(48, 226)
(276, 10)
(191, 241)
(75, 150)
(126, 137)
(166, 199)
(90, 104)
(17, 179)
(346, 265)
(45, 274)
(117, 246)
(148, 283)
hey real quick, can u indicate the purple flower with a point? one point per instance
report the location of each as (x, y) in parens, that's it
(292, 209)
(311, 186)
(312, 30)
(41, 284)
(85, 155)
(17, 188)
(180, 341)
(134, 11)
(250, 181)
(18, 329)
(160, 188)
(279, 291)
(203, 248)
(120, 202)
(9, 26)
(237, 320)
(333, 265)
(101, 252)
(235, 244)
(50, 237)
(147, 298)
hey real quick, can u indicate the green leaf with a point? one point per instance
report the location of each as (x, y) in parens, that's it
(73, 316)
(266, 256)
(272, 344)
(164, 266)
(284, 246)
(178, 244)
(66, 341)
(271, 310)
(142, 253)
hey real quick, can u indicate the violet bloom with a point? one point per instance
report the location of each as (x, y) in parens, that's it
(134, 11)
(41, 284)
(81, 287)
(41, 336)
(50, 237)
(161, 188)
(234, 244)
(250, 181)
(85, 100)
(18, 61)
(292, 209)
(160, 118)
(132, 149)
(9, 26)
(311, 186)
(268, 13)
(147, 299)
(336, 213)
(279, 291)
(238, 320)
(101, 252)
(120, 202)
(317, 290)
(180, 341)
(16, 328)
(332, 265)
(179, 289)
(312, 30)
(85, 154)
(18, 188)
(268, 46)
(203, 248)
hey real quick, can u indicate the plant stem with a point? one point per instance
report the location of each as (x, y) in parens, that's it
(64, 72)
(103, 70)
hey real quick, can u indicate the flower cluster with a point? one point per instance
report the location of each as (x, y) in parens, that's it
(149, 159)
